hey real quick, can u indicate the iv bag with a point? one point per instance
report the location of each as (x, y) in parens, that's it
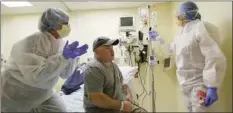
(153, 18)
(144, 15)
(143, 12)
(153, 15)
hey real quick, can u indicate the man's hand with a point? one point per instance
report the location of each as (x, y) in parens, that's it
(127, 106)
(127, 92)
(103, 101)
(125, 89)
(128, 98)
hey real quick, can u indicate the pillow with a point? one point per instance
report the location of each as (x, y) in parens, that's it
(128, 73)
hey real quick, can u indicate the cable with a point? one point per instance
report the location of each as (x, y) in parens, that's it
(65, 6)
(131, 62)
(143, 84)
(140, 76)
(142, 81)
(146, 92)
(139, 107)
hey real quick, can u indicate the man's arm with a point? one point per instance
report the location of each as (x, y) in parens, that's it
(125, 87)
(94, 82)
(103, 101)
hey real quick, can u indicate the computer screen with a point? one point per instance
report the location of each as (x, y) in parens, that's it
(126, 21)
(151, 57)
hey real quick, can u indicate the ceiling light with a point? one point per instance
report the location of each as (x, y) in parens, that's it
(16, 4)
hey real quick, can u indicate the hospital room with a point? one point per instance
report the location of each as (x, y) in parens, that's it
(54, 53)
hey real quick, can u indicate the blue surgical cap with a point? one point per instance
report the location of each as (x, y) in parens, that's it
(190, 10)
(51, 17)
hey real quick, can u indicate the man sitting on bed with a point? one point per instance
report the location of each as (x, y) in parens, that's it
(103, 82)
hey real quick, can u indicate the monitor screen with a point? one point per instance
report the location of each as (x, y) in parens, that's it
(126, 21)
(151, 57)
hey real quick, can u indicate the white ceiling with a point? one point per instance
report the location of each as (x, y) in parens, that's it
(39, 7)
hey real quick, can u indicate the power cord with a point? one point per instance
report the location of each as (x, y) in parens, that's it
(130, 57)
(137, 109)
(144, 84)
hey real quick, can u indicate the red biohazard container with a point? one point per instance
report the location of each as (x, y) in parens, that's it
(201, 94)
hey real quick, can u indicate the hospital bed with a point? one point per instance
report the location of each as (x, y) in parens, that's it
(74, 101)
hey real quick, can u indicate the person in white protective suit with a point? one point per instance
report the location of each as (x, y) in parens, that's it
(35, 65)
(200, 62)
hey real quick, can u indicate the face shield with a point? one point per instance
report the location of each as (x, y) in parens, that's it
(180, 19)
(191, 15)
(187, 16)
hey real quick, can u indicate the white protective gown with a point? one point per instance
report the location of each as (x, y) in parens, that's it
(31, 73)
(200, 63)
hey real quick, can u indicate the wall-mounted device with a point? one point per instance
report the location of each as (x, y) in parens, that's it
(167, 63)
(143, 54)
(153, 60)
(89, 59)
(127, 24)
(127, 60)
(140, 36)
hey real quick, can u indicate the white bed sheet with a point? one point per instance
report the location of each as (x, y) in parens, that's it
(74, 101)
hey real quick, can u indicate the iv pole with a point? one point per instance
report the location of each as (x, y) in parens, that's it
(151, 53)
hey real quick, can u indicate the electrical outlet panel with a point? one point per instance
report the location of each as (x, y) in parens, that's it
(89, 59)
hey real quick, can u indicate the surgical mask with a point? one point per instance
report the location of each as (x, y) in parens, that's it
(64, 32)
(181, 20)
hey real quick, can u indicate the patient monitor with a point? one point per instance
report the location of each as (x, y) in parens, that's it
(153, 60)
(127, 24)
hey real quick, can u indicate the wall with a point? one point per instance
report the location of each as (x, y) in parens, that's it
(14, 28)
(220, 15)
